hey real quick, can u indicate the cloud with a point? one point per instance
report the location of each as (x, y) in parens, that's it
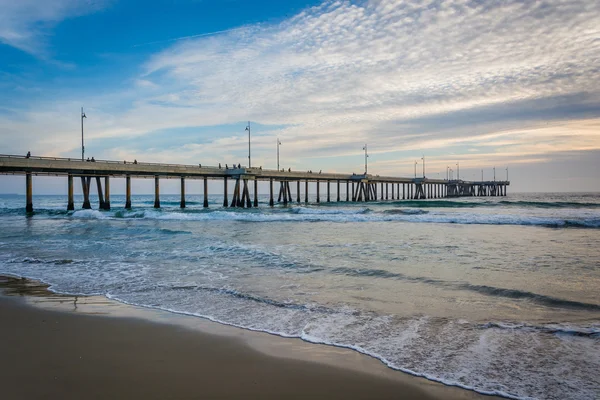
(460, 79)
(26, 24)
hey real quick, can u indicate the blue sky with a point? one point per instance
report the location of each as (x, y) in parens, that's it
(498, 83)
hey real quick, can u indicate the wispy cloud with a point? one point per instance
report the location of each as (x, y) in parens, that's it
(512, 80)
(26, 24)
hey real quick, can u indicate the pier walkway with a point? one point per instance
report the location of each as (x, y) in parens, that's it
(358, 188)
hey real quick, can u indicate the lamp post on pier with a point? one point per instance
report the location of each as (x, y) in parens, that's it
(423, 158)
(249, 159)
(447, 173)
(506, 174)
(416, 162)
(457, 172)
(278, 144)
(494, 174)
(366, 156)
(482, 175)
(82, 146)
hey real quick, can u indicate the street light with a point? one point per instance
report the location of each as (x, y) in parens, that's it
(457, 172)
(494, 174)
(416, 162)
(249, 159)
(447, 173)
(482, 175)
(278, 144)
(423, 158)
(506, 174)
(82, 146)
(366, 156)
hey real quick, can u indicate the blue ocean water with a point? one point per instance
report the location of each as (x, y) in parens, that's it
(499, 295)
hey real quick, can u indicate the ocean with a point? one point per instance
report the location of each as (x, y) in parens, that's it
(498, 295)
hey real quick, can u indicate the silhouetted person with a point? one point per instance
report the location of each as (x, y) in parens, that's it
(135, 161)
(93, 159)
(226, 166)
(239, 166)
(199, 165)
(28, 154)
(88, 159)
(220, 165)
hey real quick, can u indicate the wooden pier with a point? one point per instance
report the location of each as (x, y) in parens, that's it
(358, 188)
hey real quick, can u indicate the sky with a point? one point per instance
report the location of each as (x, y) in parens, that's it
(483, 84)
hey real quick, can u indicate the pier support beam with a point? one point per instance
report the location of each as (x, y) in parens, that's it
(29, 193)
(347, 191)
(328, 191)
(318, 191)
(338, 191)
(271, 202)
(246, 195)
(306, 191)
(225, 196)
(298, 191)
(85, 187)
(182, 202)
(256, 193)
(100, 194)
(156, 192)
(128, 192)
(205, 204)
(353, 192)
(70, 202)
(107, 193)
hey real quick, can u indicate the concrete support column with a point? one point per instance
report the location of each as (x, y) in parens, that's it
(353, 192)
(347, 190)
(107, 193)
(205, 205)
(271, 202)
(328, 191)
(70, 202)
(298, 191)
(306, 191)
(85, 187)
(156, 192)
(318, 191)
(255, 193)
(29, 193)
(393, 184)
(100, 193)
(386, 190)
(128, 192)
(338, 190)
(225, 195)
(182, 201)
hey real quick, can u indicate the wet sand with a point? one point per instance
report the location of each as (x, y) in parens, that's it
(94, 352)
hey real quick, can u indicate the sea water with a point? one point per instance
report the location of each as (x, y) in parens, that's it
(499, 295)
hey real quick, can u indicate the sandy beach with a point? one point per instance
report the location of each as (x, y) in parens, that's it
(49, 352)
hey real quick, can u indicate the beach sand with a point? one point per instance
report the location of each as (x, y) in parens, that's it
(63, 347)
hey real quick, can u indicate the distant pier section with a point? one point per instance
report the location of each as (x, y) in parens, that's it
(358, 188)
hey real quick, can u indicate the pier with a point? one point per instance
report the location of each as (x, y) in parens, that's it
(358, 188)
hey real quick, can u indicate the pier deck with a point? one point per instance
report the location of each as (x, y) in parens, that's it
(364, 186)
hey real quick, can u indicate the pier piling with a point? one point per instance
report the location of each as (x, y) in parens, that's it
(128, 192)
(70, 202)
(182, 202)
(156, 192)
(106, 193)
(205, 205)
(29, 193)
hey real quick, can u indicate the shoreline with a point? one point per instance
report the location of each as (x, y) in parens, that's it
(168, 354)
